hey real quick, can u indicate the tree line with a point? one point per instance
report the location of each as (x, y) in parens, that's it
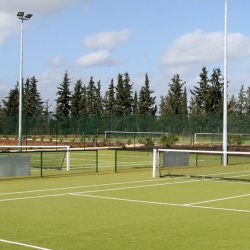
(86, 99)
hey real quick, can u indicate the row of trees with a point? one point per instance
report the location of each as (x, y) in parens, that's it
(120, 99)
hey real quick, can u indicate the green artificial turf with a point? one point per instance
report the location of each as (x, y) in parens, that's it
(128, 210)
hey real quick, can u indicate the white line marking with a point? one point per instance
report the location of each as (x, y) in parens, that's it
(230, 182)
(236, 176)
(88, 186)
(233, 172)
(223, 209)
(98, 190)
(133, 187)
(24, 245)
(33, 197)
(219, 199)
(159, 203)
(85, 193)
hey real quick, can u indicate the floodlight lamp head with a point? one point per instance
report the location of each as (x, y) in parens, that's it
(20, 14)
(28, 16)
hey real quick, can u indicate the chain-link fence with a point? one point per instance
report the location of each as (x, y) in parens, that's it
(90, 131)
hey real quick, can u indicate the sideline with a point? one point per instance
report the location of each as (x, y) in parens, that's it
(90, 186)
(97, 190)
(24, 245)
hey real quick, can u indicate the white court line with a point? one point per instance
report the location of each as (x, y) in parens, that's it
(234, 172)
(232, 182)
(98, 190)
(33, 197)
(85, 193)
(90, 186)
(24, 245)
(236, 176)
(219, 199)
(159, 203)
(134, 187)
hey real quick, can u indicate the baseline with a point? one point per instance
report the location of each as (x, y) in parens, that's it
(159, 203)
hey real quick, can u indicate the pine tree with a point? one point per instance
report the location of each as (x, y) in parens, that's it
(135, 104)
(26, 98)
(32, 101)
(247, 103)
(184, 109)
(91, 95)
(64, 97)
(128, 99)
(192, 106)
(232, 105)
(83, 102)
(163, 107)
(46, 112)
(1, 109)
(200, 95)
(146, 103)
(172, 103)
(241, 101)
(110, 99)
(120, 96)
(98, 100)
(76, 99)
(11, 102)
(216, 92)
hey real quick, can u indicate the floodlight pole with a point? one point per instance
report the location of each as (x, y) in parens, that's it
(20, 88)
(22, 17)
(225, 90)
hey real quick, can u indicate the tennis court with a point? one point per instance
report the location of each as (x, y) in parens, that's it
(129, 210)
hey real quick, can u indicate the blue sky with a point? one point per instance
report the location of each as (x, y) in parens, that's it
(106, 37)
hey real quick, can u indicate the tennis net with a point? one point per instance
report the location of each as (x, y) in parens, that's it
(202, 164)
(33, 160)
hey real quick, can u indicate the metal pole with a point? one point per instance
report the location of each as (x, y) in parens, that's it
(154, 162)
(20, 88)
(225, 91)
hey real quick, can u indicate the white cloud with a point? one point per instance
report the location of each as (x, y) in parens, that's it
(200, 47)
(107, 40)
(9, 9)
(8, 25)
(190, 52)
(57, 60)
(96, 59)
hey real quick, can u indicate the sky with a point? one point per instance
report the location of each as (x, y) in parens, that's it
(103, 38)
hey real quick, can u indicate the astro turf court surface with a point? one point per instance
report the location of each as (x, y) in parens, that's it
(124, 211)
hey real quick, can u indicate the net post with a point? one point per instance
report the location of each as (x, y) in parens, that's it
(154, 162)
(195, 137)
(115, 160)
(68, 157)
(97, 160)
(41, 165)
